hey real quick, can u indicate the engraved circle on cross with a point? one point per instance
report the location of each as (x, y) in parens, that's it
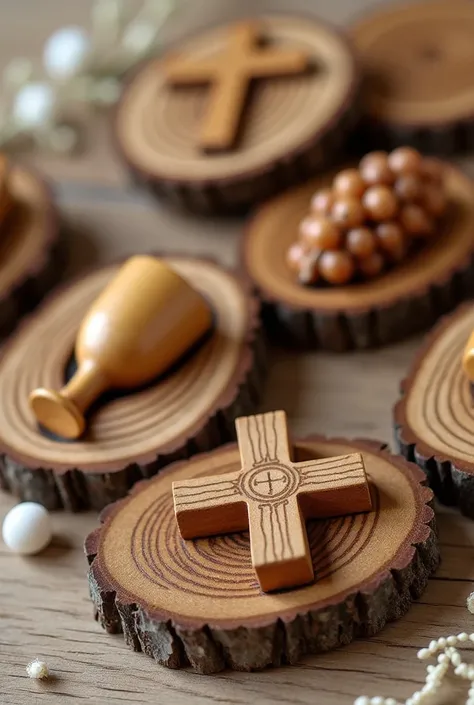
(270, 482)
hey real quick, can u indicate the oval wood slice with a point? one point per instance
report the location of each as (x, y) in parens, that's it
(291, 126)
(419, 60)
(404, 300)
(30, 250)
(130, 437)
(198, 603)
(434, 420)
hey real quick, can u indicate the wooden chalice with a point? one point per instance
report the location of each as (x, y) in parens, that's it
(143, 322)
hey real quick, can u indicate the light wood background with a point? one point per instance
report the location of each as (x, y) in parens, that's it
(44, 605)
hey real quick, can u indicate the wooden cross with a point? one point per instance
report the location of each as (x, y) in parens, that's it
(272, 497)
(230, 75)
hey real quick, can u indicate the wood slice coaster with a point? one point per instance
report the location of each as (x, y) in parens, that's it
(419, 61)
(434, 420)
(132, 436)
(404, 300)
(292, 125)
(198, 603)
(29, 247)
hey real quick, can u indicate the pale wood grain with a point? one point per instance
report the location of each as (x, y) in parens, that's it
(44, 607)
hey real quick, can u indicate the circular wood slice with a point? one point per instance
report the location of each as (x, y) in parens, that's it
(130, 437)
(292, 126)
(419, 60)
(30, 252)
(198, 603)
(434, 420)
(404, 300)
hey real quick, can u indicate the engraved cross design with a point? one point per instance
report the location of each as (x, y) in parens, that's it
(271, 481)
(272, 497)
(230, 74)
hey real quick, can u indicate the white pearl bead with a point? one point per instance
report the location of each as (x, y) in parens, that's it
(37, 669)
(27, 528)
(65, 52)
(362, 700)
(33, 104)
(378, 700)
(452, 640)
(456, 659)
(390, 701)
(471, 637)
(138, 37)
(442, 642)
(423, 654)
(461, 670)
(463, 636)
(443, 658)
(433, 646)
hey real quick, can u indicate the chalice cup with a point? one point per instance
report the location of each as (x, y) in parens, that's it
(145, 319)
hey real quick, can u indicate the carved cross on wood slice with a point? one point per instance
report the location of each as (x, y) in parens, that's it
(272, 497)
(230, 75)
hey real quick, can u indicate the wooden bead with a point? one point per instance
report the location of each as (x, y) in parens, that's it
(336, 267)
(415, 220)
(434, 200)
(374, 169)
(349, 182)
(380, 203)
(320, 232)
(322, 201)
(309, 269)
(433, 170)
(405, 160)
(409, 187)
(391, 239)
(348, 212)
(360, 242)
(294, 256)
(372, 266)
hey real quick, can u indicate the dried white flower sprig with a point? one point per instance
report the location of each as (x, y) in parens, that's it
(448, 658)
(37, 669)
(78, 68)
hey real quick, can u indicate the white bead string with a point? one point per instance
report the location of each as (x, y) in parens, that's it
(78, 68)
(448, 659)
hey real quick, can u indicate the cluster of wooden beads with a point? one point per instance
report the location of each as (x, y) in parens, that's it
(448, 657)
(369, 218)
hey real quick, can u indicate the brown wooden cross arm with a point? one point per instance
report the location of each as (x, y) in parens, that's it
(272, 497)
(230, 74)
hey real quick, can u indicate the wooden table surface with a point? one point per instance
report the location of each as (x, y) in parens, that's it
(44, 605)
